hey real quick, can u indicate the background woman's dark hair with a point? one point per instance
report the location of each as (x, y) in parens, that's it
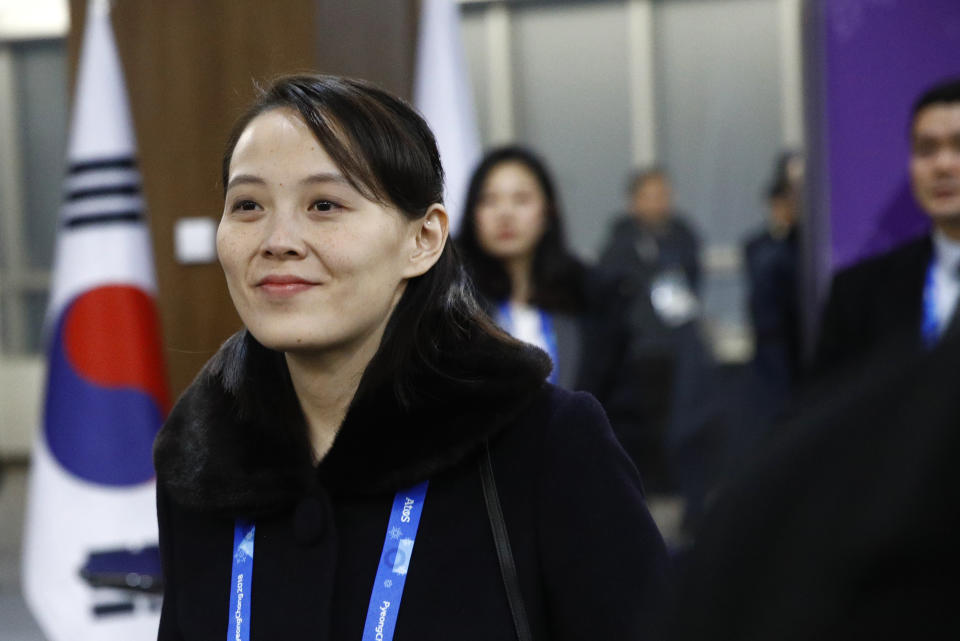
(780, 185)
(557, 274)
(388, 153)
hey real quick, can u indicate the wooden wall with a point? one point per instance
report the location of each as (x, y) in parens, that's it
(190, 67)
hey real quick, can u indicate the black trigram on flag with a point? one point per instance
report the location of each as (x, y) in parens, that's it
(103, 191)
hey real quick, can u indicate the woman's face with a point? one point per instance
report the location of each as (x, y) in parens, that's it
(310, 263)
(511, 214)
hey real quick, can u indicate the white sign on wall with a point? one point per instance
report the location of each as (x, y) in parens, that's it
(32, 19)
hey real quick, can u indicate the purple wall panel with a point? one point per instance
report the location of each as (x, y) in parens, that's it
(878, 56)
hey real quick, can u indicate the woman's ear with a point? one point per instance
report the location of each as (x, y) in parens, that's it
(430, 238)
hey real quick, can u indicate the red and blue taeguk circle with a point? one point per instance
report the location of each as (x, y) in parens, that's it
(106, 391)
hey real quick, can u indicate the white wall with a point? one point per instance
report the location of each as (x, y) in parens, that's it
(32, 140)
(21, 385)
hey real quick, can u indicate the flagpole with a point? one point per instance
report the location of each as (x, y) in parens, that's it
(443, 95)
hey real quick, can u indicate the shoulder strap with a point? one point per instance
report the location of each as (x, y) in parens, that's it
(508, 567)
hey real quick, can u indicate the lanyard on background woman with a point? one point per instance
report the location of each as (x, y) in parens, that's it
(505, 319)
(387, 586)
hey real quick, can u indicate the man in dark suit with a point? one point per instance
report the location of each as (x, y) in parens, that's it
(654, 256)
(905, 299)
(771, 258)
(653, 237)
(846, 523)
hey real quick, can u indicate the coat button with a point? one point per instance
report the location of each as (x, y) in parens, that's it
(309, 521)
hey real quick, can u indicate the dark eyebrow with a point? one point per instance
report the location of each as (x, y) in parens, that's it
(245, 179)
(328, 177)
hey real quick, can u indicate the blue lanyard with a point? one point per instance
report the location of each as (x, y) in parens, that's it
(930, 329)
(505, 320)
(241, 581)
(394, 562)
(387, 586)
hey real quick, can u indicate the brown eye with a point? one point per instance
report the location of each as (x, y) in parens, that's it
(486, 200)
(523, 198)
(245, 205)
(324, 206)
(924, 148)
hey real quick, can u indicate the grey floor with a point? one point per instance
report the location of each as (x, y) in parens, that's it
(16, 623)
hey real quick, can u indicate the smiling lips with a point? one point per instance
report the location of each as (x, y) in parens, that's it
(284, 285)
(944, 191)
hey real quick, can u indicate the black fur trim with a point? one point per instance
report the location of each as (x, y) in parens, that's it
(220, 452)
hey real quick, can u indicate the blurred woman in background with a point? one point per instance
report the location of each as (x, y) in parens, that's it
(513, 245)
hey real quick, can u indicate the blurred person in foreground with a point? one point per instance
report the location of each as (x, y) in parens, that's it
(772, 259)
(512, 242)
(845, 523)
(367, 390)
(906, 299)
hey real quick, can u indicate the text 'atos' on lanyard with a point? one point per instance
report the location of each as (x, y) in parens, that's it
(930, 330)
(505, 319)
(394, 563)
(387, 586)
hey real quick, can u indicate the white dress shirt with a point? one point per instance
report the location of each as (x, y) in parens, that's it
(524, 323)
(946, 279)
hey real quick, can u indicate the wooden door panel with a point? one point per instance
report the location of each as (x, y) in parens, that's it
(190, 67)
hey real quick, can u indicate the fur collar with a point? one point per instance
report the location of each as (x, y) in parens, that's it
(218, 452)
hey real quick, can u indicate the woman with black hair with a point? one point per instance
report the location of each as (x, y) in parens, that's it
(513, 245)
(371, 458)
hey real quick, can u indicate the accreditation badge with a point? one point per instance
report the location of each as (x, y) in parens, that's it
(673, 298)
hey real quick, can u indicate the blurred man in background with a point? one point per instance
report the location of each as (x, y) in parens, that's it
(906, 298)
(652, 235)
(659, 405)
(845, 522)
(772, 258)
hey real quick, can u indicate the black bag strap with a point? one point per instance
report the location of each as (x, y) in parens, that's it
(501, 539)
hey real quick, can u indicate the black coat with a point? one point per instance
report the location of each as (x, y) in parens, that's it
(875, 305)
(635, 250)
(846, 525)
(590, 560)
(656, 396)
(772, 265)
(592, 340)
